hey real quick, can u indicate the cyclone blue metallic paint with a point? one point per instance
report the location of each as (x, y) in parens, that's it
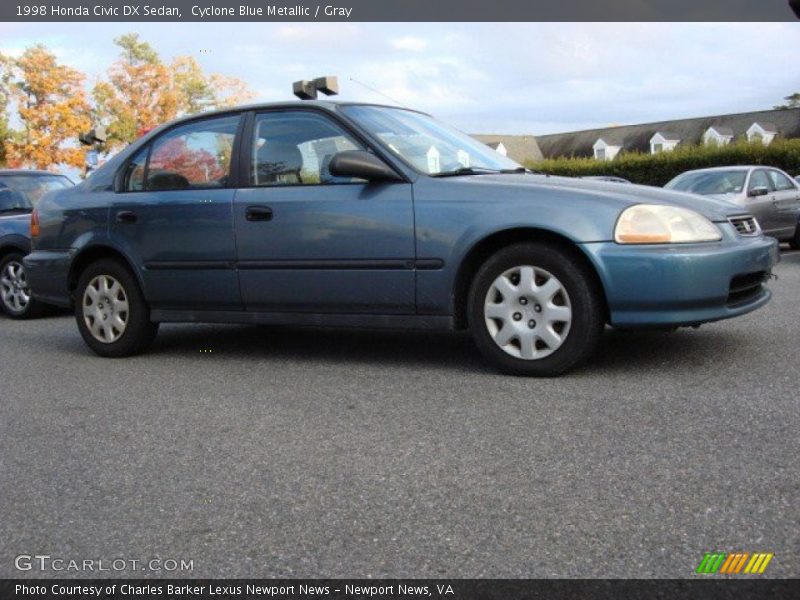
(382, 249)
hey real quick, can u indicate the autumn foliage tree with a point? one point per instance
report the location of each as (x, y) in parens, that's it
(137, 94)
(142, 92)
(52, 106)
(5, 81)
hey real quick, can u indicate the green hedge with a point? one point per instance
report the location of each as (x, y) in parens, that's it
(658, 169)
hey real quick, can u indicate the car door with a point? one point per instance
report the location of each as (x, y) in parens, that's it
(786, 199)
(174, 216)
(760, 201)
(311, 242)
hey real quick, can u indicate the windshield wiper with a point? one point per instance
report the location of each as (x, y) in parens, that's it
(480, 171)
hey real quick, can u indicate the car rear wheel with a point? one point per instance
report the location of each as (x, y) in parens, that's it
(534, 310)
(112, 316)
(15, 293)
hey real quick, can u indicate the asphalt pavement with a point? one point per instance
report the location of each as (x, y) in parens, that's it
(290, 453)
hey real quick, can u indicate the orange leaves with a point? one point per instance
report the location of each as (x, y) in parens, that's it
(52, 106)
(138, 93)
(142, 92)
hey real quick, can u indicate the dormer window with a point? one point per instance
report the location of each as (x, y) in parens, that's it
(606, 149)
(762, 132)
(664, 141)
(718, 136)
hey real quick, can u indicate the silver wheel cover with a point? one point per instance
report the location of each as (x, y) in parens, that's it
(14, 289)
(105, 309)
(527, 312)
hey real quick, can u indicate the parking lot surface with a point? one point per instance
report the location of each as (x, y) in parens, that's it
(288, 453)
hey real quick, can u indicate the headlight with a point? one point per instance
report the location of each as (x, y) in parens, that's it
(659, 224)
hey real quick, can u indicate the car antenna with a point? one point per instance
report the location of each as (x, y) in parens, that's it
(372, 89)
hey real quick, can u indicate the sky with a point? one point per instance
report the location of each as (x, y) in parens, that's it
(511, 78)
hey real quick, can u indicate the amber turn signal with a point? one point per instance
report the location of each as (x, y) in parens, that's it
(35, 223)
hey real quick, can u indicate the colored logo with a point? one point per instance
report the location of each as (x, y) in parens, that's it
(734, 563)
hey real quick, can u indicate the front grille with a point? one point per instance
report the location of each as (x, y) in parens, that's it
(746, 287)
(745, 225)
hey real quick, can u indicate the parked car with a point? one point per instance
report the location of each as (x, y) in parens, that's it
(320, 213)
(20, 191)
(769, 194)
(611, 178)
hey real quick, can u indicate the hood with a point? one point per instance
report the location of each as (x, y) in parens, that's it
(624, 194)
(735, 199)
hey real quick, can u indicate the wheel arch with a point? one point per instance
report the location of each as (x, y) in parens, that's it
(482, 249)
(92, 254)
(13, 244)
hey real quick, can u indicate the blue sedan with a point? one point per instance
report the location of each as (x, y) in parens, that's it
(318, 213)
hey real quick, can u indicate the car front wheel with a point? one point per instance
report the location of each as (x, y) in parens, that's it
(111, 313)
(15, 293)
(534, 309)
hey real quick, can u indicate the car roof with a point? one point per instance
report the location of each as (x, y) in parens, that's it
(29, 172)
(324, 104)
(731, 168)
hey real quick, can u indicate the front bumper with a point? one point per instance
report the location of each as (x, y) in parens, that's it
(48, 272)
(686, 284)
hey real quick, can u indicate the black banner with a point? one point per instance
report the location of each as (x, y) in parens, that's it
(397, 589)
(397, 10)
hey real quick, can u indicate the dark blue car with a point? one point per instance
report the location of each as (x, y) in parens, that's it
(19, 193)
(355, 215)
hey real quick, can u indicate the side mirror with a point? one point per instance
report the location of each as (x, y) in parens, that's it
(758, 191)
(361, 164)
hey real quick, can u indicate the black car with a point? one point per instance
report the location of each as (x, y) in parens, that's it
(20, 191)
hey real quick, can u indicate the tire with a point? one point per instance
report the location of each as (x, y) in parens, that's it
(112, 315)
(794, 243)
(563, 305)
(15, 294)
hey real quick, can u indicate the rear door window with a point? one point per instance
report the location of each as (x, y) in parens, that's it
(780, 182)
(192, 156)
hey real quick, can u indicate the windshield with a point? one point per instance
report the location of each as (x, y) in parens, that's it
(710, 182)
(22, 192)
(426, 144)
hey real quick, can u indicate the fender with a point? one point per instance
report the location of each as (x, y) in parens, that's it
(99, 241)
(15, 241)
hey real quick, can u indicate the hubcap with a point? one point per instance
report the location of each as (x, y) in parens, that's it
(528, 312)
(14, 289)
(105, 309)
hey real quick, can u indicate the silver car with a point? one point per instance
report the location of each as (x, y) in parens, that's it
(771, 195)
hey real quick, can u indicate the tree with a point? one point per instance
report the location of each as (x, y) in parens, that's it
(142, 92)
(194, 89)
(5, 97)
(52, 107)
(198, 91)
(229, 91)
(792, 101)
(139, 93)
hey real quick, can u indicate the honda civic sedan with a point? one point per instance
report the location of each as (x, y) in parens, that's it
(318, 213)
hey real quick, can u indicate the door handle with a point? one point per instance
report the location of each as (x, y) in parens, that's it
(258, 213)
(127, 216)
